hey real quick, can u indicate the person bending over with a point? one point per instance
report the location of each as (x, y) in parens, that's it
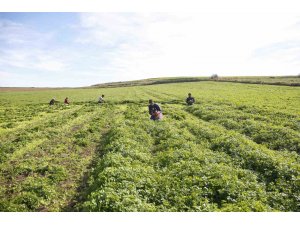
(66, 101)
(154, 111)
(53, 101)
(101, 99)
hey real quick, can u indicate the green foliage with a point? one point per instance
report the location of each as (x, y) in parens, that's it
(236, 149)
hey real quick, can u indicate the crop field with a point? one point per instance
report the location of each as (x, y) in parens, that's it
(236, 149)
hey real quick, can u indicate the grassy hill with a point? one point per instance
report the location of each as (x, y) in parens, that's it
(272, 80)
(152, 81)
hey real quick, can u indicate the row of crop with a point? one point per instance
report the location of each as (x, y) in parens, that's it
(179, 164)
(276, 114)
(54, 135)
(211, 109)
(31, 134)
(13, 116)
(43, 117)
(198, 179)
(272, 116)
(157, 96)
(148, 166)
(280, 171)
(19, 112)
(46, 177)
(273, 136)
(255, 112)
(265, 99)
(119, 180)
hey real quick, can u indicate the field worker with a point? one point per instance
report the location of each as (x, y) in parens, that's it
(101, 99)
(190, 100)
(66, 101)
(154, 111)
(52, 101)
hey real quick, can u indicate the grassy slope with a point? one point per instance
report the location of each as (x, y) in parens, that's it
(278, 80)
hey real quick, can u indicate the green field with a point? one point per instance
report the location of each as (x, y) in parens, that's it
(236, 149)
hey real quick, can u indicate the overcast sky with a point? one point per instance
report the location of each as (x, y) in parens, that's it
(79, 49)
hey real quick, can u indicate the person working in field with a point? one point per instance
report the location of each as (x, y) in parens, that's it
(52, 101)
(190, 100)
(66, 101)
(154, 111)
(101, 99)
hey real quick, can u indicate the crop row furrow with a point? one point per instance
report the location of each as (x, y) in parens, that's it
(123, 176)
(149, 166)
(279, 170)
(279, 116)
(63, 162)
(43, 129)
(273, 137)
(43, 119)
(16, 118)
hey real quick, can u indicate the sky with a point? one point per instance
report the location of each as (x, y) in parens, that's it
(81, 49)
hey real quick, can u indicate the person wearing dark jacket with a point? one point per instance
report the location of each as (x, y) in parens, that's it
(190, 100)
(154, 111)
(52, 101)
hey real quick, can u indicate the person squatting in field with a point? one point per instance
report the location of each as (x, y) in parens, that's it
(154, 111)
(52, 101)
(66, 101)
(101, 99)
(190, 100)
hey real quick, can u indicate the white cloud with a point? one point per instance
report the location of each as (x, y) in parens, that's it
(24, 47)
(33, 59)
(105, 47)
(192, 44)
(108, 29)
(50, 65)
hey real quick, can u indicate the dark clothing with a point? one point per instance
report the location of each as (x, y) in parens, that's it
(190, 100)
(52, 102)
(153, 108)
(155, 112)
